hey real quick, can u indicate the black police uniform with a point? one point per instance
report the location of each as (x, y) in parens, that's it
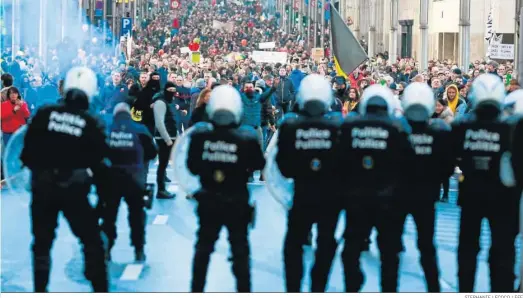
(432, 161)
(374, 154)
(61, 144)
(222, 159)
(132, 147)
(306, 147)
(480, 138)
(516, 121)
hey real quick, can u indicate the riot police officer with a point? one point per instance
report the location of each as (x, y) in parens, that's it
(517, 153)
(512, 102)
(61, 180)
(480, 139)
(374, 153)
(432, 161)
(132, 147)
(516, 120)
(306, 143)
(221, 157)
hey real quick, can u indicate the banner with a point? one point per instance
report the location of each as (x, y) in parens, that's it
(502, 51)
(317, 54)
(269, 57)
(195, 57)
(229, 26)
(129, 47)
(185, 50)
(175, 4)
(267, 45)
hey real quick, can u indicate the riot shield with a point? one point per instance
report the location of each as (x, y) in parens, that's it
(506, 173)
(188, 182)
(280, 187)
(17, 177)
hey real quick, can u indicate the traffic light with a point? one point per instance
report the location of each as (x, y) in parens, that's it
(304, 21)
(287, 9)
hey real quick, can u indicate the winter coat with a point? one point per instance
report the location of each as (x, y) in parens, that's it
(446, 115)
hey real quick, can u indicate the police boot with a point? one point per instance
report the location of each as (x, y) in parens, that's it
(199, 270)
(501, 278)
(466, 273)
(100, 285)
(164, 194)
(96, 268)
(389, 272)
(242, 272)
(139, 255)
(322, 264)
(41, 267)
(430, 268)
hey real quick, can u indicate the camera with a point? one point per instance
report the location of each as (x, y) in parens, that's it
(148, 195)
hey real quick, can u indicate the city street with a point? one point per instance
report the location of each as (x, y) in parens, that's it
(171, 227)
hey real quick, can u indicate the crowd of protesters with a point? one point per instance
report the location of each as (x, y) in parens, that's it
(154, 67)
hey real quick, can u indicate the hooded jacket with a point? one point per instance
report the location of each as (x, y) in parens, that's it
(458, 106)
(446, 115)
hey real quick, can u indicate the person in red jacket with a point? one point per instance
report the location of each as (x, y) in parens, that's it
(15, 113)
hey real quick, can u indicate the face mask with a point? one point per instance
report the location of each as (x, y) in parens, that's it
(249, 91)
(169, 95)
(155, 85)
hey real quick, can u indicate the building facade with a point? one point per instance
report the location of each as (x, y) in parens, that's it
(443, 25)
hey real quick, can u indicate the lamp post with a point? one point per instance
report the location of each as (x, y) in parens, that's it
(464, 34)
(424, 28)
(393, 44)
(372, 28)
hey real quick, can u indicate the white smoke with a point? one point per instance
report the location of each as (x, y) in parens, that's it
(44, 24)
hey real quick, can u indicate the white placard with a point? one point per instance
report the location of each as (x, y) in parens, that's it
(502, 51)
(267, 45)
(269, 57)
(185, 50)
(229, 26)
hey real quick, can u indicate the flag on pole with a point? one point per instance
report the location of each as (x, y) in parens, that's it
(347, 51)
(490, 33)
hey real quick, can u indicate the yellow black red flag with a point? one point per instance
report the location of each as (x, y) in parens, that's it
(347, 51)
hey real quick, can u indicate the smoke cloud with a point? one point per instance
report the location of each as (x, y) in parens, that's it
(45, 24)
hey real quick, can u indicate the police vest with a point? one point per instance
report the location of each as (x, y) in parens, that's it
(125, 145)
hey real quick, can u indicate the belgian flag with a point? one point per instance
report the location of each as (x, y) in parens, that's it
(346, 50)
